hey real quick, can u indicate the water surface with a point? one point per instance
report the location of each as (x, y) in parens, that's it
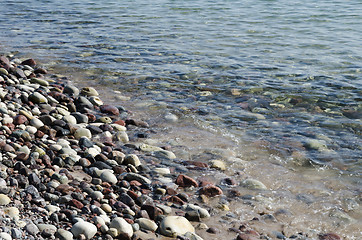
(279, 84)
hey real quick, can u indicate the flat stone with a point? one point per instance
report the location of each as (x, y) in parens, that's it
(201, 211)
(328, 236)
(165, 154)
(47, 227)
(122, 226)
(64, 235)
(149, 148)
(107, 176)
(86, 228)
(4, 200)
(37, 98)
(137, 177)
(147, 224)
(172, 226)
(71, 90)
(253, 184)
(40, 81)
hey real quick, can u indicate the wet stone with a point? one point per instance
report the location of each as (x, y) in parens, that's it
(108, 109)
(210, 190)
(329, 236)
(185, 181)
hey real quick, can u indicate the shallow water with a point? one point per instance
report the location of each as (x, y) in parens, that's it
(275, 87)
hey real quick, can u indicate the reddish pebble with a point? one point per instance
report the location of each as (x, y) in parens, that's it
(197, 164)
(211, 191)
(120, 122)
(76, 203)
(176, 200)
(109, 109)
(20, 119)
(185, 181)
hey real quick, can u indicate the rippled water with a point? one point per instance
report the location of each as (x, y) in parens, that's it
(283, 75)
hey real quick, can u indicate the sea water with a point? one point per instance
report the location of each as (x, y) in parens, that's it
(272, 87)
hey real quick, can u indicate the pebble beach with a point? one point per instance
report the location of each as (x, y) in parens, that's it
(74, 167)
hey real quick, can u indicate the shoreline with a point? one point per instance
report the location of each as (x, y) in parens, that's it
(102, 176)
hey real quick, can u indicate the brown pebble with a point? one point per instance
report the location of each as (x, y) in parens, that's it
(41, 71)
(196, 164)
(211, 191)
(65, 189)
(244, 236)
(30, 62)
(76, 203)
(171, 191)
(329, 236)
(213, 230)
(175, 199)
(108, 109)
(152, 211)
(185, 181)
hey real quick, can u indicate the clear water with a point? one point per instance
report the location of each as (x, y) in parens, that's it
(276, 74)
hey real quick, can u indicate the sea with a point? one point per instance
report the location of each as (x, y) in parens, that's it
(271, 87)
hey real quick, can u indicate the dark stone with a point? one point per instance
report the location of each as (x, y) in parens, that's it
(213, 230)
(40, 71)
(34, 179)
(193, 216)
(108, 109)
(329, 236)
(30, 62)
(33, 191)
(20, 119)
(19, 73)
(152, 211)
(94, 129)
(84, 142)
(137, 123)
(126, 199)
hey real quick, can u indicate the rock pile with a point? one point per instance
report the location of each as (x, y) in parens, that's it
(69, 171)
